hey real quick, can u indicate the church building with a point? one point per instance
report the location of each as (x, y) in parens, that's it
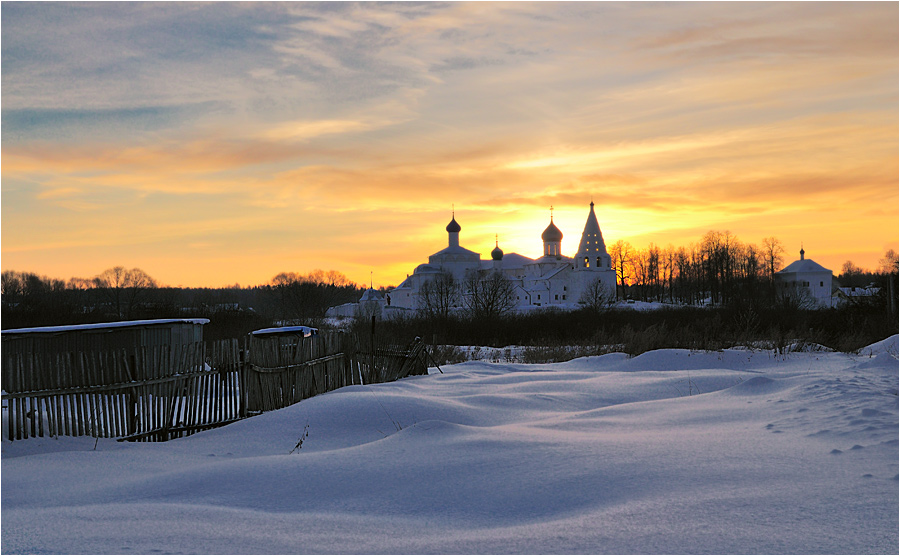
(552, 280)
(806, 279)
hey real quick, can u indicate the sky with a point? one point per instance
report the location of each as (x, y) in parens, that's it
(213, 144)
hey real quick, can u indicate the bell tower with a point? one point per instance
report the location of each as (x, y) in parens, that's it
(592, 250)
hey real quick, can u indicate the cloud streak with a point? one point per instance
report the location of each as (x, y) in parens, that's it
(151, 128)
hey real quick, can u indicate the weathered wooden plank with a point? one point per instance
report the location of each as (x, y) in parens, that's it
(48, 410)
(7, 384)
(60, 400)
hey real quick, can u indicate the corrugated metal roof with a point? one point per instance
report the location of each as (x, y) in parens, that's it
(304, 330)
(102, 325)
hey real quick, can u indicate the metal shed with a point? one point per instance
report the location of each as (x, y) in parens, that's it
(103, 336)
(136, 379)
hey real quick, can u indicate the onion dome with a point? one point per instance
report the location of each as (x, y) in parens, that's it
(453, 226)
(497, 253)
(552, 233)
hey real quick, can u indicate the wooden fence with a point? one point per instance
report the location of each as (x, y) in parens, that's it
(153, 393)
(283, 370)
(165, 392)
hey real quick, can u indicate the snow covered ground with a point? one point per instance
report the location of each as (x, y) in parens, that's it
(672, 451)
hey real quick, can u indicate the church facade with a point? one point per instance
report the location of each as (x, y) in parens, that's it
(552, 280)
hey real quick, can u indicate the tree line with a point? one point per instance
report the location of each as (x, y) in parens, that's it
(119, 293)
(585, 331)
(720, 269)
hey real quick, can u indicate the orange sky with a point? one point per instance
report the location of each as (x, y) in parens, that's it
(214, 144)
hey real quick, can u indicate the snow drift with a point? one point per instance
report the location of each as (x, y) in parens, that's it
(672, 451)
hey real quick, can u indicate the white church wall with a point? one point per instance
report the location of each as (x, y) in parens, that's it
(817, 285)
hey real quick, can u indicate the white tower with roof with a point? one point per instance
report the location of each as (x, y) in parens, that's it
(807, 279)
(592, 250)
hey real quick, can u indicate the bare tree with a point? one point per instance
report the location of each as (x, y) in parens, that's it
(852, 275)
(889, 263)
(773, 254)
(488, 295)
(639, 264)
(296, 297)
(621, 255)
(598, 296)
(304, 298)
(668, 261)
(110, 284)
(438, 295)
(797, 298)
(123, 289)
(327, 278)
(653, 278)
(11, 286)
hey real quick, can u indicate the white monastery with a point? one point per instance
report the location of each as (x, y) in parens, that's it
(551, 280)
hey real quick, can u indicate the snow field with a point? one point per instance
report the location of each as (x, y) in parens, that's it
(672, 451)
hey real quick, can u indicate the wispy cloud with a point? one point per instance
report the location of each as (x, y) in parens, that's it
(355, 126)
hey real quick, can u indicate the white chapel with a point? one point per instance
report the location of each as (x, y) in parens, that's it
(806, 279)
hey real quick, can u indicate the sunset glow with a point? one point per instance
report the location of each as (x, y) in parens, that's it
(210, 144)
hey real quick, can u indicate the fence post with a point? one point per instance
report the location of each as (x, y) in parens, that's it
(243, 381)
(372, 353)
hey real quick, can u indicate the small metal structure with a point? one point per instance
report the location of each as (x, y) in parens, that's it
(302, 331)
(103, 336)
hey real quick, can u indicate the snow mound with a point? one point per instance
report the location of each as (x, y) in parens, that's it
(890, 346)
(758, 385)
(672, 452)
(882, 360)
(807, 347)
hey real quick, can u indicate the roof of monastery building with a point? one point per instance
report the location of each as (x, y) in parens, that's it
(803, 265)
(371, 295)
(592, 237)
(497, 253)
(552, 233)
(453, 226)
(457, 250)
